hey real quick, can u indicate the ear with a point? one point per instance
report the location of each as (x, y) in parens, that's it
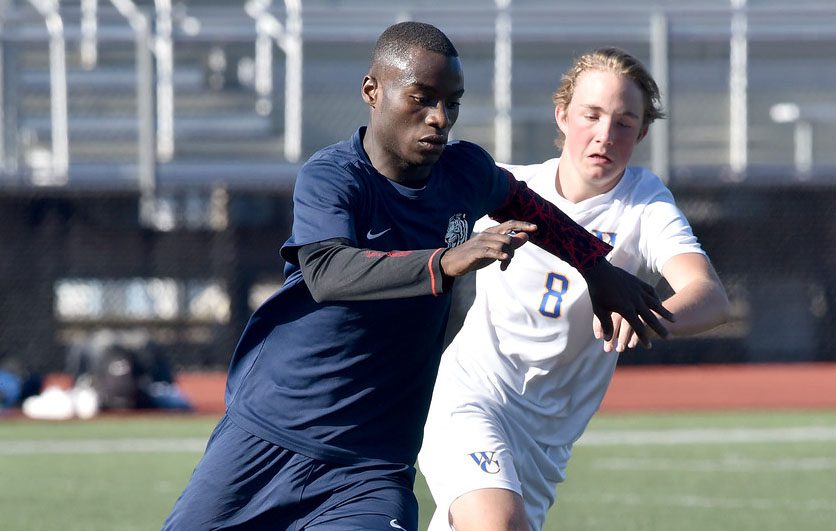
(561, 119)
(642, 133)
(369, 90)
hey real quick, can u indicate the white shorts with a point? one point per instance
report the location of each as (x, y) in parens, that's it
(471, 444)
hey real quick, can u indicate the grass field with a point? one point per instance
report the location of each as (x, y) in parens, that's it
(721, 471)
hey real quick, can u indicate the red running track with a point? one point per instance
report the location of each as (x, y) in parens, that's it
(656, 388)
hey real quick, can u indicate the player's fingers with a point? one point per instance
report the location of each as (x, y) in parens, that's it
(655, 304)
(513, 225)
(634, 340)
(605, 319)
(654, 323)
(625, 332)
(494, 253)
(518, 239)
(503, 265)
(500, 240)
(639, 328)
(597, 331)
(609, 344)
(612, 344)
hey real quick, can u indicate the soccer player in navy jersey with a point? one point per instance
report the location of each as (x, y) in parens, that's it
(329, 386)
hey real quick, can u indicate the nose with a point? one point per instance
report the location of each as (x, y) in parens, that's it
(440, 116)
(605, 131)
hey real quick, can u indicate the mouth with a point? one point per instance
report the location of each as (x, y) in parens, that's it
(433, 142)
(600, 158)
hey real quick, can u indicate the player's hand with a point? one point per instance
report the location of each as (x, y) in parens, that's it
(614, 290)
(485, 248)
(623, 336)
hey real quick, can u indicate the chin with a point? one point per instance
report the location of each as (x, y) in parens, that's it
(601, 182)
(604, 172)
(426, 159)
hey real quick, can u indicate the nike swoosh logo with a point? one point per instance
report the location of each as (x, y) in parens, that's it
(372, 235)
(394, 522)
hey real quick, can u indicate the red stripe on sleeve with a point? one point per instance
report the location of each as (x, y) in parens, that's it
(433, 283)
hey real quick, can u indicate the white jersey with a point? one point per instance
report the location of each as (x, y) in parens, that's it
(526, 353)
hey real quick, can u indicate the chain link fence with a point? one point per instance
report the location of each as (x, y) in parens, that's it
(80, 256)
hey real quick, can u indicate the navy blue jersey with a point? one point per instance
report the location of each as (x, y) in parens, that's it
(351, 381)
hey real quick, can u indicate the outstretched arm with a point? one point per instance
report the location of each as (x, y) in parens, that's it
(611, 289)
(699, 302)
(559, 234)
(335, 271)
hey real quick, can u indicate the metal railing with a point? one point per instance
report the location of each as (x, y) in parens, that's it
(503, 28)
(288, 37)
(57, 167)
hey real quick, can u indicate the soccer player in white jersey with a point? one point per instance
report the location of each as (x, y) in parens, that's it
(522, 378)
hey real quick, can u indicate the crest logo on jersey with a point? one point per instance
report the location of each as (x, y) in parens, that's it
(457, 229)
(606, 237)
(486, 461)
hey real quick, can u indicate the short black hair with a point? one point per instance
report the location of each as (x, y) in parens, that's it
(398, 39)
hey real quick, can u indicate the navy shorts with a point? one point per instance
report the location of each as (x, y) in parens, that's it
(244, 482)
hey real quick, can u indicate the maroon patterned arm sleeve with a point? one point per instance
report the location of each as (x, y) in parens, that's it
(556, 232)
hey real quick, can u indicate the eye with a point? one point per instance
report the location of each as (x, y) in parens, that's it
(425, 101)
(453, 104)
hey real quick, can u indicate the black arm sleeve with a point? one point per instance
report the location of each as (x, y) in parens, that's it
(335, 271)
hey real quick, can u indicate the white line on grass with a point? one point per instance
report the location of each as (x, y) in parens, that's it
(101, 446)
(706, 502)
(708, 436)
(592, 438)
(733, 464)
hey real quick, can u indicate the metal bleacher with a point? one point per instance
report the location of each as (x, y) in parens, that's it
(214, 119)
(223, 132)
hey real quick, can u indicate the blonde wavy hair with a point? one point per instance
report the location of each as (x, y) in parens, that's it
(618, 62)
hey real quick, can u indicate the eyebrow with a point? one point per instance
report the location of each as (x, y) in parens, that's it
(428, 88)
(599, 109)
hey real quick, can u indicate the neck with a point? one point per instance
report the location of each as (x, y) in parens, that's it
(392, 168)
(573, 188)
(565, 185)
